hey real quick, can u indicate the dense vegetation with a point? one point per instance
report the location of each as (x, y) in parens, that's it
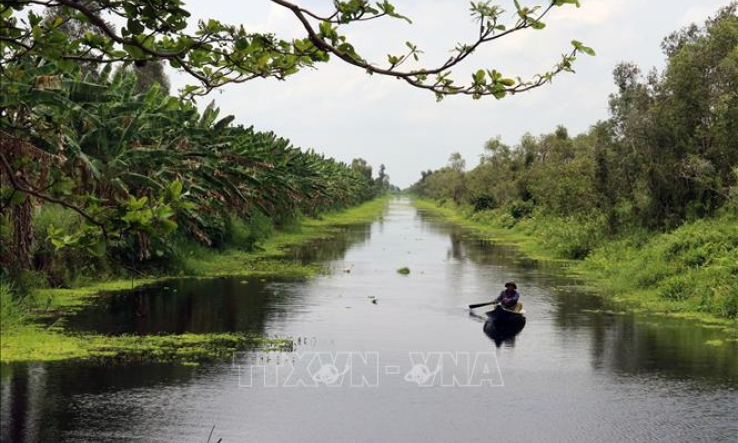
(106, 175)
(98, 169)
(649, 196)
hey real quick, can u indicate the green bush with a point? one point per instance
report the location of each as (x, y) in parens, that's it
(48, 215)
(571, 237)
(245, 233)
(484, 202)
(697, 263)
(10, 313)
(498, 218)
(520, 209)
(60, 267)
(677, 287)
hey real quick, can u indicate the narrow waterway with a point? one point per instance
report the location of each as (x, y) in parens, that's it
(385, 357)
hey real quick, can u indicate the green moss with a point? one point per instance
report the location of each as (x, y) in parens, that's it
(183, 348)
(52, 301)
(32, 343)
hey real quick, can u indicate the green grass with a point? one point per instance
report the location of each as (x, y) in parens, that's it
(52, 301)
(12, 314)
(690, 272)
(267, 257)
(364, 213)
(24, 340)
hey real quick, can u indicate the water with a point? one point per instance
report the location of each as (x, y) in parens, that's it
(574, 374)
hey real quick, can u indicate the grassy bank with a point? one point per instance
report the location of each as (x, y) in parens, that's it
(266, 257)
(689, 272)
(22, 338)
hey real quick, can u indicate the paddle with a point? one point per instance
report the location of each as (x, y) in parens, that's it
(479, 305)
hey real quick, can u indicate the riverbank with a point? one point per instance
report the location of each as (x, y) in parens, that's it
(690, 272)
(23, 338)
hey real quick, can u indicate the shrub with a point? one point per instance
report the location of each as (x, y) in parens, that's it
(484, 202)
(245, 233)
(678, 287)
(572, 237)
(520, 209)
(48, 215)
(11, 314)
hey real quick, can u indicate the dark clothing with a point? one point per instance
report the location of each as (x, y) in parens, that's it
(508, 298)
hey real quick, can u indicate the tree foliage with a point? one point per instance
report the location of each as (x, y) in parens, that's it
(668, 153)
(136, 166)
(215, 54)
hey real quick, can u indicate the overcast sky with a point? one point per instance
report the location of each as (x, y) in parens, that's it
(340, 111)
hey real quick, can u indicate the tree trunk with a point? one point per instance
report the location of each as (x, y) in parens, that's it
(22, 219)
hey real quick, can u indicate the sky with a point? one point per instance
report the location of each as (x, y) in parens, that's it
(344, 113)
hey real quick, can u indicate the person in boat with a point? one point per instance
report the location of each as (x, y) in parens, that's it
(509, 298)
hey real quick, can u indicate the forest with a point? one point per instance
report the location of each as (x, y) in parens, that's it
(647, 198)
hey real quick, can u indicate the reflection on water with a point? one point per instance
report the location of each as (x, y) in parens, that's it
(195, 305)
(500, 337)
(334, 247)
(576, 373)
(183, 305)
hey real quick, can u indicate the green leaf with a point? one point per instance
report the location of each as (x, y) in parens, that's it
(175, 190)
(134, 51)
(479, 76)
(168, 225)
(587, 50)
(134, 26)
(97, 248)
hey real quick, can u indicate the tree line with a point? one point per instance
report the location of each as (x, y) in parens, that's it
(667, 154)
